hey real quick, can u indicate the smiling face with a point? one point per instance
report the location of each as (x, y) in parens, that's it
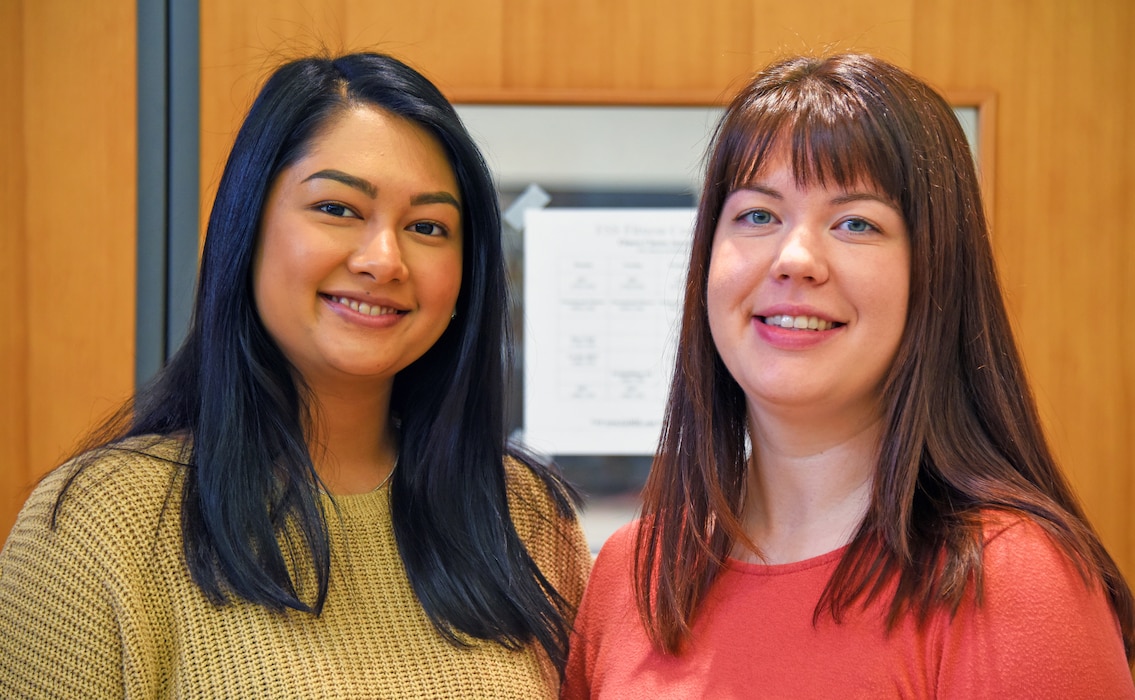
(358, 264)
(807, 294)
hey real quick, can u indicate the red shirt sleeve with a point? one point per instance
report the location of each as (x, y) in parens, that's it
(1040, 632)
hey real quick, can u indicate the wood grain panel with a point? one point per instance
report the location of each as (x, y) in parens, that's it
(638, 45)
(79, 120)
(880, 27)
(13, 312)
(453, 42)
(1063, 222)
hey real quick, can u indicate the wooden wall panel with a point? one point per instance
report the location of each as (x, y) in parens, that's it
(79, 167)
(880, 27)
(454, 42)
(673, 51)
(1063, 225)
(67, 182)
(13, 287)
(626, 45)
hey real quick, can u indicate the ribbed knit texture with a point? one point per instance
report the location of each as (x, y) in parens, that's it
(103, 606)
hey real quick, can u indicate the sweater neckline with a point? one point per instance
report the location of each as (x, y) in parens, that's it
(369, 503)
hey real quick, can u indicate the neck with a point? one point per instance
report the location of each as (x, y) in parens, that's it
(353, 442)
(808, 489)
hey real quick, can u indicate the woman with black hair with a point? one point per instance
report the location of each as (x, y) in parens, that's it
(853, 496)
(315, 497)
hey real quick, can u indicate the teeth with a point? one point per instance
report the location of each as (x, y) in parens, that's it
(811, 323)
(365, 308)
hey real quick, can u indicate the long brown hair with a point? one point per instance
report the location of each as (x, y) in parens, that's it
(962, 434)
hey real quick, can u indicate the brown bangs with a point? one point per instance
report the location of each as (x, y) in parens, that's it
(834, 140)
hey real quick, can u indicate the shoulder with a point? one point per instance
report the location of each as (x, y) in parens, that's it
(535, 490)
(1025, 571)
(1040, 625)
(135, 464)
(611, 584)
(614, 566)
(620, 546)
(104, 491)
(608, 632)
(1030, 579)
(542, 511)
(75, 576)
(95, 523)
(91, 517)
(1016, 548)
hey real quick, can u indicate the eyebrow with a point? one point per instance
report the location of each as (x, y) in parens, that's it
(754, 187)
(435, 198)
(841, 199)
(371, 191)
(349, 180)
(865, 196)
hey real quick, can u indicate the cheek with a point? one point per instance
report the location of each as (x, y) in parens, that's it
(714, 295)
(277, 267)
(454, 289)
(889, 297)
(898, 291)
(292, 260)
(438, 278)
(728, 280)
(266, 293)
(720, 297)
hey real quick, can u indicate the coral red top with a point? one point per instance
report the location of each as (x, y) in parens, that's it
(1040, 632)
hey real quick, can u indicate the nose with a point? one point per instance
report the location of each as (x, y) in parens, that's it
(801, 256)
(379, 256)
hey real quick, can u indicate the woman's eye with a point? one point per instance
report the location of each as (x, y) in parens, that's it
(858, 226)
(427, 228)
(337, 210)
(757, 217)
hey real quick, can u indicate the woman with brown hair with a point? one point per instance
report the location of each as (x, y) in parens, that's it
(853, 495)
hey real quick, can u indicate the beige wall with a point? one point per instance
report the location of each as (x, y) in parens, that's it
(1065, 163)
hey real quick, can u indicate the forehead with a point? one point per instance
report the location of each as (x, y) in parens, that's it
(370, 139)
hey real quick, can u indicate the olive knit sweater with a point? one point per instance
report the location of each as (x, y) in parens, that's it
(103, 606)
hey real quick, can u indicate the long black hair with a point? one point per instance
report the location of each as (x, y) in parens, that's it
(231, 390)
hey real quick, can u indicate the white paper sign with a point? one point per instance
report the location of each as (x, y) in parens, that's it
(602, 295)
